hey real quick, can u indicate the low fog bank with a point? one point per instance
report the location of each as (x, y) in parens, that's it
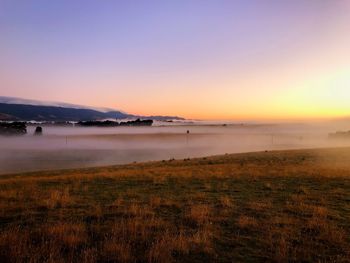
(74, 147)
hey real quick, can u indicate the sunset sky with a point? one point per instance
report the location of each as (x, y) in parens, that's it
(238, 60)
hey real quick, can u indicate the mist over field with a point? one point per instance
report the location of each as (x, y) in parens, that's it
(73, 147)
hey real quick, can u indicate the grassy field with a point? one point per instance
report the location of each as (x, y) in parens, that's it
(257, 207)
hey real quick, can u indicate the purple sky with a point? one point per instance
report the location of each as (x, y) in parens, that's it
(201, 59)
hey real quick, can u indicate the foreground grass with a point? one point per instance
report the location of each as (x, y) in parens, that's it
(269, 206)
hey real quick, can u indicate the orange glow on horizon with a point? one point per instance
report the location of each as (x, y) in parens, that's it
(234, 61)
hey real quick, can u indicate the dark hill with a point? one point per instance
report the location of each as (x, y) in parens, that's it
(53, 113)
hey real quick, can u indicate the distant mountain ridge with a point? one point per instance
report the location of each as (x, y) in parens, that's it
(26, 110)
(53, 113)
(14, 100)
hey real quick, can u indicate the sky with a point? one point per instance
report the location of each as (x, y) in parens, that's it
(199, 59)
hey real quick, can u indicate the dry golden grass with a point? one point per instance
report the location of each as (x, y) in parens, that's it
(58, 198)
(70, 235)
(155, 201)
(226, 202)
(260, 206)
(247, 222)
(117, 251)
(287, 206)
(199, 214)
